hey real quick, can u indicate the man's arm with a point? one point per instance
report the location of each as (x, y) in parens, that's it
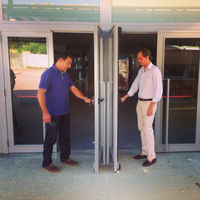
(158, 89)
(133, 89)
(78, 94)
(125, 97)
(41, 99)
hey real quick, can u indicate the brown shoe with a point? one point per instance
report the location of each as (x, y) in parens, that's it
(137, 157)
(51, 168)
(148, 163)
(71, 162)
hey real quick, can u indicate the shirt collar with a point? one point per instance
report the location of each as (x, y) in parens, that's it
(149, 66)
(56, 69)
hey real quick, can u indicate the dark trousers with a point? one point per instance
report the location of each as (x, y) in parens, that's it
(59, 125)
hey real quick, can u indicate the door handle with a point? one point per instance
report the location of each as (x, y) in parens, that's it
(100, 100)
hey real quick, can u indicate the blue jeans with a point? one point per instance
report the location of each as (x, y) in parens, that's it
(60, 125)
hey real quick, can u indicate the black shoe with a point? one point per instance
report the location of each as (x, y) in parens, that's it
(71, 162)
(140, 157)
(51, 168)
(148, 163)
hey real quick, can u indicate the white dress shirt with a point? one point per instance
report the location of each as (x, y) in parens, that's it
(149, 84)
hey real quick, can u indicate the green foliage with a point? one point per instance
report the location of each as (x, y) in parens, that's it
(42, 48)
(32, 47)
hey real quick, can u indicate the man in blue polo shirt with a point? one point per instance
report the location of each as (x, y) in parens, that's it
(53, 97)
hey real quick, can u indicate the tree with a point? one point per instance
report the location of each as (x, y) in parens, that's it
(32, 47)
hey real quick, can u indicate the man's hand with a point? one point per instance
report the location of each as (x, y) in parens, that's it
(124, 98)
(87, 100)
(46, 117)
(150, 109)
(78, 94)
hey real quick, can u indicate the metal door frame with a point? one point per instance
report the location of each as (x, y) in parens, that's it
(115, 97)
(3, 122)
(106, 87)
(99, 93)
(112, 97)
(162, 35)
(6, 73)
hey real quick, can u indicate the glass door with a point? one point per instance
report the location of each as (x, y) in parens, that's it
(180, 111)
(112, 98)
(106, 97)
(25, 57)
(115, 65)
(99, 99)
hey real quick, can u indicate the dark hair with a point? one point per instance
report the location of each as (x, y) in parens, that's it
(62, 55)
(145, 52)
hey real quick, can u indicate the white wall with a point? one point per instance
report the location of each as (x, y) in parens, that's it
(35, 60)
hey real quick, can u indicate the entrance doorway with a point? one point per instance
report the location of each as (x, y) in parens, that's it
(95, 73)
(82, 75)
(129, 44)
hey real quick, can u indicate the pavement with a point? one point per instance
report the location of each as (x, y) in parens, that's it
(175, 176)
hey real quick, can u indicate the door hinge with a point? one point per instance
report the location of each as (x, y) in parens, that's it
(8, 143)
(4, 92)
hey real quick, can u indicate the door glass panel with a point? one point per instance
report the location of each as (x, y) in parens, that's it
(28, 59)
(181, 68)
(155, 11)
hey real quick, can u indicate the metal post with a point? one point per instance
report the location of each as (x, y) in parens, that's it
(167, 117)
(96, 113)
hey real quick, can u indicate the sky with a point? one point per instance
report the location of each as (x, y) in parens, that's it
(56, 2)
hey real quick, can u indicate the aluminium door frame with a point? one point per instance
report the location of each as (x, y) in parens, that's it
(115, 97)
(162, 35)
(3, 122)
(12, 148)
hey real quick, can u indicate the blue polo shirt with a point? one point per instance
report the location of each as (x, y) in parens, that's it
(57, 85)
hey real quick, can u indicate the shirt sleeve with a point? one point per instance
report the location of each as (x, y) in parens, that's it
(158, 86)
(45, 81)
(134, 86)
(70, 82)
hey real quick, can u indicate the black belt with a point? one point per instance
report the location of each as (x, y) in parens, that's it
(145, 99)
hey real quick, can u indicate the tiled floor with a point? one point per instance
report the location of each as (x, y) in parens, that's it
(173, 177)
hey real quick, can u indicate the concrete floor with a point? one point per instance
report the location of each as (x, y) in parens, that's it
(173, 177)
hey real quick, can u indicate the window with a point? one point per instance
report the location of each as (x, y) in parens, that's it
(155, 11)
(51, 10)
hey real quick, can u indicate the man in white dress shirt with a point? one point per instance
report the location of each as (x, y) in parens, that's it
(149, 84)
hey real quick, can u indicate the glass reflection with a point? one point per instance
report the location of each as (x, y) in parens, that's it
(51, 10)
(28, 59)
(156, 11)
(182, 69)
